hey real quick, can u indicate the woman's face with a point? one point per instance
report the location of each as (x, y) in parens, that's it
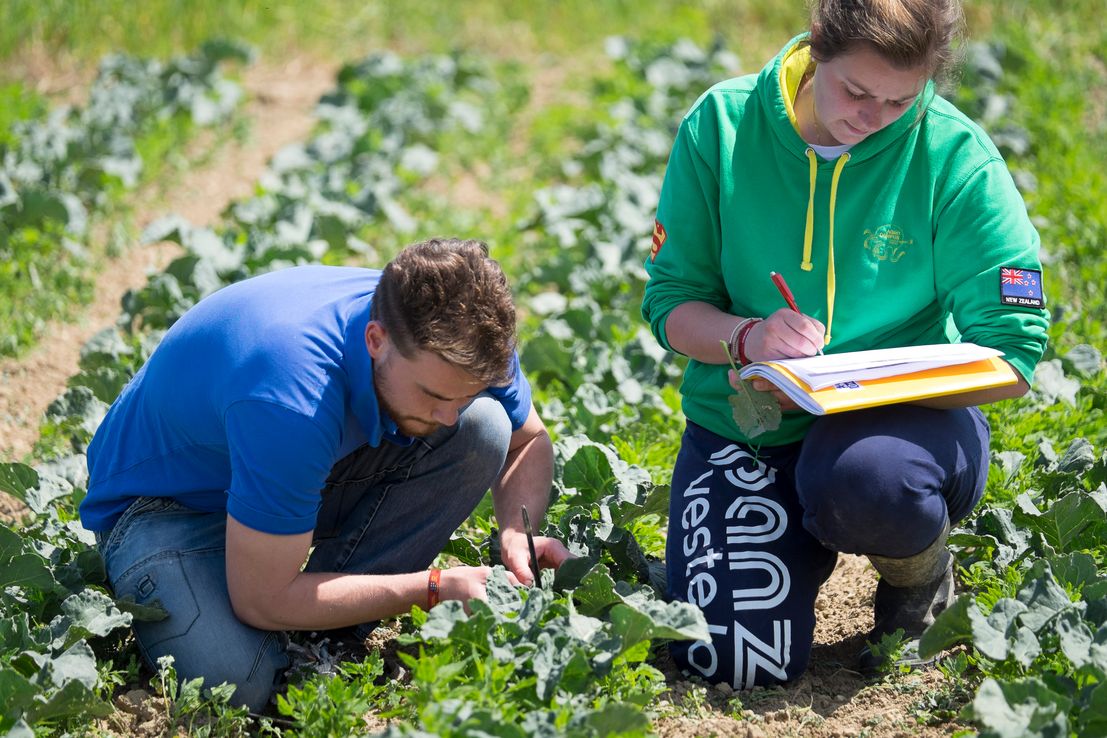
(859, 93)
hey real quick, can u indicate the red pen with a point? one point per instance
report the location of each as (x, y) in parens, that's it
(782, 287)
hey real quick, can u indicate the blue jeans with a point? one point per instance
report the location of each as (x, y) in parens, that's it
(384, 510)
(753, 535)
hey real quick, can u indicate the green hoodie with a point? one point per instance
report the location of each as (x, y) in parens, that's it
(925, 217)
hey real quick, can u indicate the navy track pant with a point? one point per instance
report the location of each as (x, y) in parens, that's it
(753, 534)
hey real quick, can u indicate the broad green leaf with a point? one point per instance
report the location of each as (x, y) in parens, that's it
(572, 572)
(618, 719)
(17, 479)
(1093, 714)
(16, 728)
(1051, 384)
(150, 612)
(1078, 570)
(74, 699)
(952, 626)
(669, 620)
(11, 543)
(29, 571)
(1075, 638)
(1070, 520)
(89, 562)
(754, 412)
(1008, 463)
(442, 618)
(1021, 709)
(1098, 652)
(992, 635)
(104, 349)
(1078, 458)
(503, 597)
(1026, 646)
(1085, 359)
(50, 488)
(1043, 597)
(75, 664)
(73, 468)
(168, 228)
(16, 693)
(596, 591)
(464, 550)
(87, 613)
(589, 471)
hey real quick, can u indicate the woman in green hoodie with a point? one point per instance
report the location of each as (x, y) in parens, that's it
(895, 222)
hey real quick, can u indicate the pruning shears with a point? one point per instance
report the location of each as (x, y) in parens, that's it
(530, 542)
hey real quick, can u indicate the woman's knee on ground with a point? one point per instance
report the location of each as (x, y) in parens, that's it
(743, 660)
(873, 499)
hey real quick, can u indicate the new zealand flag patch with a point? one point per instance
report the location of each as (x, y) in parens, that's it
(1022, 287)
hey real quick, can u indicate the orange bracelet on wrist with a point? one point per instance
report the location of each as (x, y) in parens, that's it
(433, 587)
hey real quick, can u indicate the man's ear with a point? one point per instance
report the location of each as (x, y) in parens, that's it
(376, 339)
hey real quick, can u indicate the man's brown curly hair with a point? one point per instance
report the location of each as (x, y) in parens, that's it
(448, 297)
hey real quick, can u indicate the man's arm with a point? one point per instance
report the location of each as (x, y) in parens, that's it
(268, 590)
(526, 480)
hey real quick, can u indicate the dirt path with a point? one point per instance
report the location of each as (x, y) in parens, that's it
(282, 97)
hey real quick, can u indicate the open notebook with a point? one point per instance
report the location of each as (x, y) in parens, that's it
(859, 379)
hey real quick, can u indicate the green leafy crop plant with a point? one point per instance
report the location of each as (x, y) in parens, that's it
(62, 172)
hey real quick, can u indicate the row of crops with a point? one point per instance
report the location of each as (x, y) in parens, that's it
(63, 170)
(578, 655)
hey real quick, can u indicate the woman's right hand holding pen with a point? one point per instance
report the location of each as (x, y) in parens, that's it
(785, 334)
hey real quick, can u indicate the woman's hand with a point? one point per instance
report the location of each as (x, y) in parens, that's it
(785, 334)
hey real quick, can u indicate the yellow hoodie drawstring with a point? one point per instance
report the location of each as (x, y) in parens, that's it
(805, 265)
(809, 229)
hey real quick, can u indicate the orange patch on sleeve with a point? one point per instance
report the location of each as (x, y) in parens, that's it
(659, 237)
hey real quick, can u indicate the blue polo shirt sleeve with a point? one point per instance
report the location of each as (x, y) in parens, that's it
(515, 397)
(279, 460)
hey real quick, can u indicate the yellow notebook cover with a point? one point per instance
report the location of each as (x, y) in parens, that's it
(857, 395)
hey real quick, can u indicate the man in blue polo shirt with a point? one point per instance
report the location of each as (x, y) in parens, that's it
(359, 412)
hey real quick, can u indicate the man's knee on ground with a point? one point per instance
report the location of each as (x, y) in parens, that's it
(255, 676)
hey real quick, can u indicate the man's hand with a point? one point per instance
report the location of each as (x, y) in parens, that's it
(467, 583)
(516, 554)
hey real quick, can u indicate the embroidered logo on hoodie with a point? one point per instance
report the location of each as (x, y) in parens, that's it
(887, 243)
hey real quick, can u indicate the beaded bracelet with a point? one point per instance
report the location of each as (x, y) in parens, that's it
(737, 343)
(742, 334)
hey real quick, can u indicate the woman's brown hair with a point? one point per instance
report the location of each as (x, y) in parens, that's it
(907, 33)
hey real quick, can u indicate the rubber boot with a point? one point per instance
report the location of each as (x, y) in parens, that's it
(910, 594)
